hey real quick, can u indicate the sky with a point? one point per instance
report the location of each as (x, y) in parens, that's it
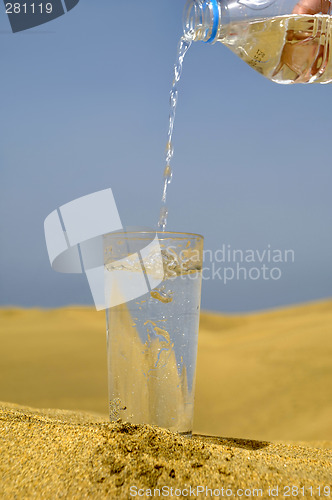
(84, 107)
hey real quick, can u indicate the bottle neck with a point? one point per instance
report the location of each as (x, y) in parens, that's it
(201, 20)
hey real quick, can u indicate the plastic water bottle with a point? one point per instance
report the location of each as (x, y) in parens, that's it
(287, 41)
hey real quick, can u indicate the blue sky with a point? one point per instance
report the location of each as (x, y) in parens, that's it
(84, 107)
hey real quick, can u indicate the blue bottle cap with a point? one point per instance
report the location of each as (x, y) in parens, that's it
(215, 9)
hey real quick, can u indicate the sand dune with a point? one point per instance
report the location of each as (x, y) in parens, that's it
(58, 454)
(265, 376)
(268, 375)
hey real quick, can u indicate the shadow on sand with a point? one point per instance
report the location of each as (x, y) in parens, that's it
(247, 444)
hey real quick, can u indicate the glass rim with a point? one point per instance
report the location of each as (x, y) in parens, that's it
(175, 234)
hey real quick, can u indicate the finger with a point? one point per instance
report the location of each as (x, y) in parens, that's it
(312, 7)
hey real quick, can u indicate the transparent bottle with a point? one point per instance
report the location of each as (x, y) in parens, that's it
(287, 41)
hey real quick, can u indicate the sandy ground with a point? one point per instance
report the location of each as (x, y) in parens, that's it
(263, 382)
(265, 376)
(60, 454)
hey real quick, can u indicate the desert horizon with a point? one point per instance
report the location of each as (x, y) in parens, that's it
(261, 375)
(262, 423)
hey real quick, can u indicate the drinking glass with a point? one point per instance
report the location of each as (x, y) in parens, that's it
(152, 326)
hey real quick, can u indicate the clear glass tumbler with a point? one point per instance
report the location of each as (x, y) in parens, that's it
(152, 339)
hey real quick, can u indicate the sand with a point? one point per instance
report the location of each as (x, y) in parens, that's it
(264, 376)
(263, 380)
(54, 454)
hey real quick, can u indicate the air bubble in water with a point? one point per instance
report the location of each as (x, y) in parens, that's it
(162, 295)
